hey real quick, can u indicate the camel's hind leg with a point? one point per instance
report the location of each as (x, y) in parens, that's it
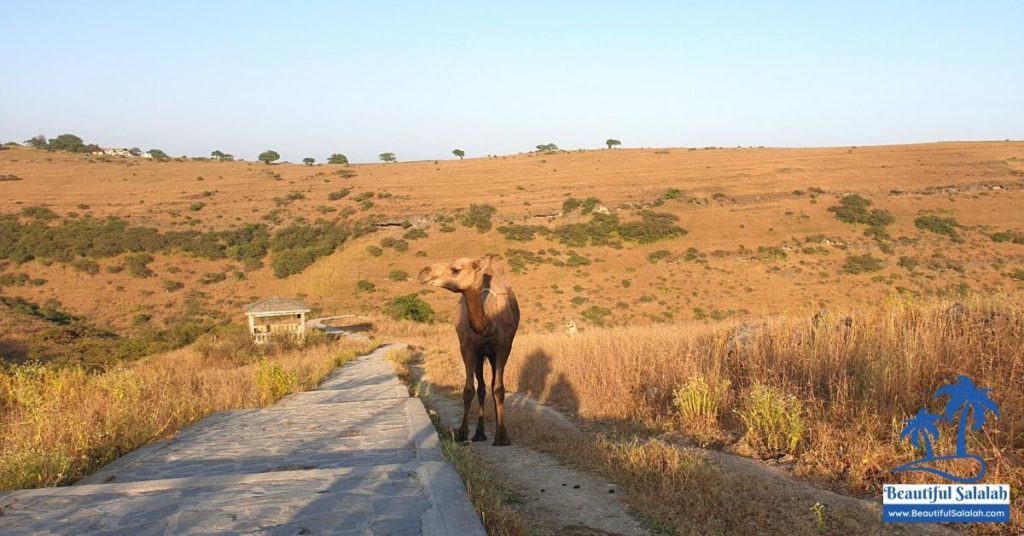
(498, 391)
(481, 398)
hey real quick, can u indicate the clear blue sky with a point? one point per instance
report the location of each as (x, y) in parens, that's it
(422, 78)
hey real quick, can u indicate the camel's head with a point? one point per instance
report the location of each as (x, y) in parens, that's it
(456, 276)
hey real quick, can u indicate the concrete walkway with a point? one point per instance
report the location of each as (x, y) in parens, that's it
(357, 456)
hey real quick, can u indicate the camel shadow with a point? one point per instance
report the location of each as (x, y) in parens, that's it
(535, 380)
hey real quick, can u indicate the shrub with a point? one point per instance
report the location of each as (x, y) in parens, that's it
(137, 264)
(478, 216)
(339, 194)
(86, 265)
(172, 286)
(395, 243)
(854, 209)
(596, 315)
(9, 178)
(570, 204)
(521, 233)
(411, 307)
(858, 264)
(575, 259)
(939, 225)
(654, 226)
(365, 286)
(398, 275)
(197, 206)
(774, 422)
(40, 213)
(699, 404)
(1016, 237)
(589, 204)
(909, 263)
(415, 234)
(374, 250)
(299, 245)
(660, 255)
(273, 382)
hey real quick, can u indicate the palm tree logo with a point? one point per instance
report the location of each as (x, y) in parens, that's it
(966, 402)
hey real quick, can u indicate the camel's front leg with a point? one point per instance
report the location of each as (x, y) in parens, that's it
(468, 359)
(481, 398)
(498, 391)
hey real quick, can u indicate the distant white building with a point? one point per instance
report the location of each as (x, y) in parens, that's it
(112, 151)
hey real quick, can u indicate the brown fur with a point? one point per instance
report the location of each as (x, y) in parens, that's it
(487, 321)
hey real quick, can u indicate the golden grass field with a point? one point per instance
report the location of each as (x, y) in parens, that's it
(690, 336)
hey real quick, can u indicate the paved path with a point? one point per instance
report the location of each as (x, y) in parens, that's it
(358, 456)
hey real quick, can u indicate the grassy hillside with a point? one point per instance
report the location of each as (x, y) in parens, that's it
(760, 236)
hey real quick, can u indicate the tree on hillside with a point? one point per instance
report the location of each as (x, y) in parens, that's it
(337, 158)
(218, 154)
(91, 148)
(547, 148)
(135, 151)
(269, 156)
(459, 153)
(67, 142)
(157, 154)
(308, 160)
(611, 142)
(387, 157)
(38, 142)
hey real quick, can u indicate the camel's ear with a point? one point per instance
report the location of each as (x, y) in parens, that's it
(476, 264)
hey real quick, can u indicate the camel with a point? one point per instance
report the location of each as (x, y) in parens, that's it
(486, 324)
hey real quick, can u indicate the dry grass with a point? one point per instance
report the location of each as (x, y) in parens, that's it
(58, 424)
(856, 385)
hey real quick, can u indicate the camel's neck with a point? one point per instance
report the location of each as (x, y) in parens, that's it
(475, 308)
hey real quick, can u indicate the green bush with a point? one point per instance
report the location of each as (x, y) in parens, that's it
(699, 404)
(575, 259)
(596, 315)
(398, 275)
(273, 382)
(299, 245)
(570, 204)
(339, 194)
(172, 286)
(660, 255)
(137, 264)
(39, 213)
(374, 250)
(858, 264)
(1016, 237)
(85, 265)
(414, 234)
(522, 233)
(939, 225)
(653, 227)
(411, 307)
(854, 209)
(365, 286)
(774, 422)
(197, 206)
(478, 216)
(395, 243)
